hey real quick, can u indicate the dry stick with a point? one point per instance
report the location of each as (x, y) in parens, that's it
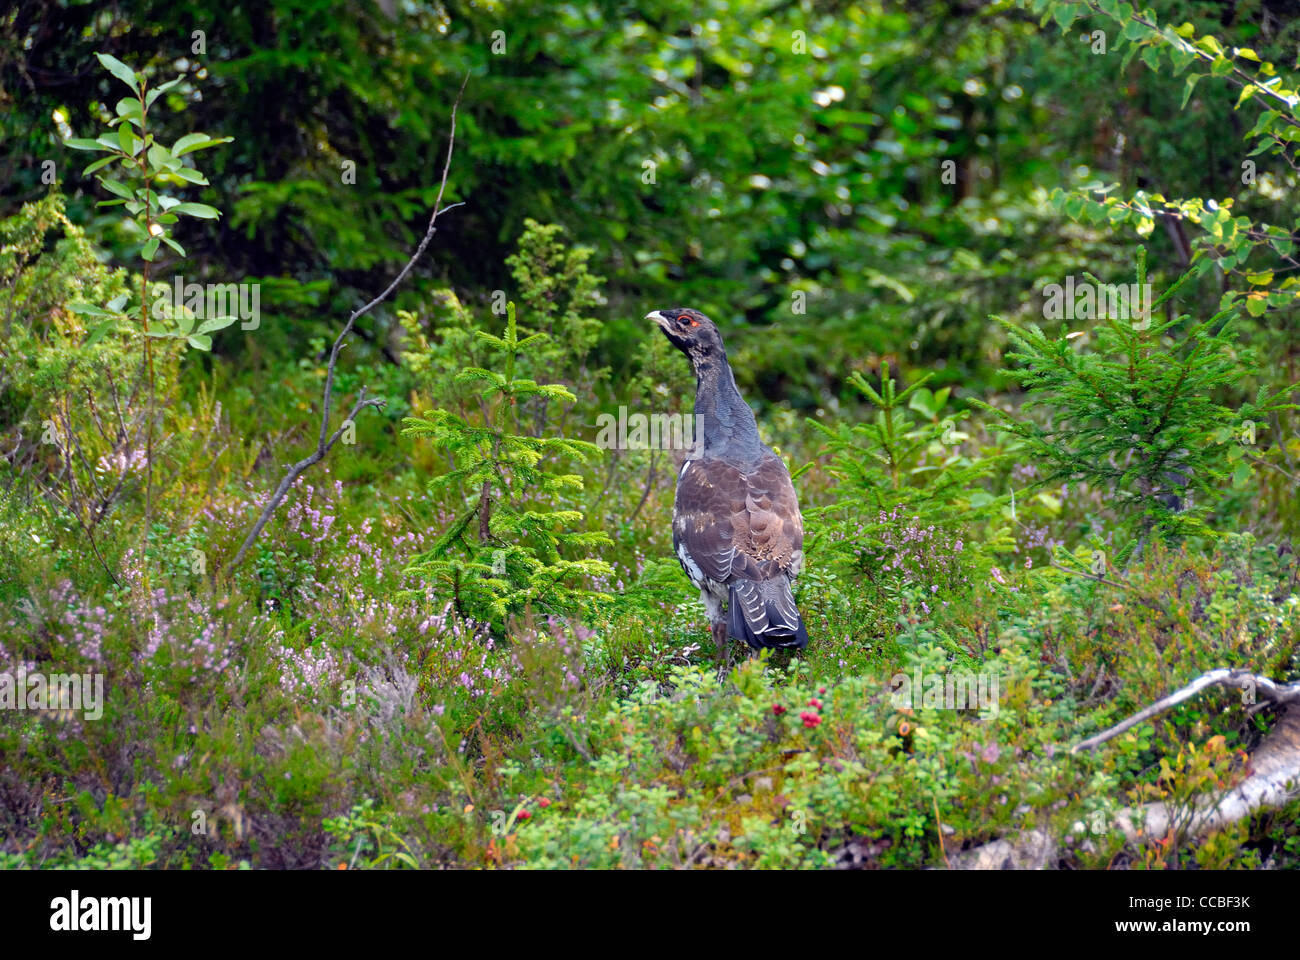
(1097, 578)
(117, 401)
(1223, 677)
(1269, 463)
(325, 441)
(75, 509)
(649, 485)
(1272, 783)
(938, 823)
(17, 446)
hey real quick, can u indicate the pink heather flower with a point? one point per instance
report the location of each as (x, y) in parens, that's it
(120, 463)
(810, 720)
(815, 703)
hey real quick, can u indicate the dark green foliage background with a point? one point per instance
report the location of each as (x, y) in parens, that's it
(895, 261)
(868, 198)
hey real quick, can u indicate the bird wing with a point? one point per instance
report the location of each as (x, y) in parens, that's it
(703, 532)
(732, 524)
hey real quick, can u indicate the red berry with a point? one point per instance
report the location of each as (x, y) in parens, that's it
(524, 815)
(778, 709)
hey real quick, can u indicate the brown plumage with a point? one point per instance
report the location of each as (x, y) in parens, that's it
(739, 523)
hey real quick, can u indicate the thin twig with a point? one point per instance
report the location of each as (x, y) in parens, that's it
(325, 440)
(1268, 463)
(938, 825)
(649, 486)
(1095, 577)
(75, 508)
(1268, 689)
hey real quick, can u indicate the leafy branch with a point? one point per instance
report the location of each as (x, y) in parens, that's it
(141, 161)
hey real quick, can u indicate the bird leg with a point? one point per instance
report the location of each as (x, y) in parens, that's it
(723, 643)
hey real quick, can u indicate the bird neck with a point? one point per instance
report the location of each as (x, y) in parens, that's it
(723, 420)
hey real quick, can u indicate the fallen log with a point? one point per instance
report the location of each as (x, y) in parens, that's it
(1272, 782)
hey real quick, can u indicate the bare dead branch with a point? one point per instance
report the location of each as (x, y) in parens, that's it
(75, 505)
(1268, 463)
(1244, 679)
(1272, 781)
(325, 440)
(1090, 576)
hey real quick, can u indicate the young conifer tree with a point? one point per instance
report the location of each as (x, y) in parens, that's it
(505, 548)
(1141, 409)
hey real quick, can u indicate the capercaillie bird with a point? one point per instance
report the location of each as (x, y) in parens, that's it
(736, 524)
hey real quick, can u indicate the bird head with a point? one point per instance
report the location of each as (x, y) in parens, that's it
(691, 332)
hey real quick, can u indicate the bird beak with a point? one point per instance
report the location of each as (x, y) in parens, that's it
(658, 318)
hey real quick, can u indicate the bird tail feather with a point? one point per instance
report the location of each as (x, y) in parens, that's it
(763, 614)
